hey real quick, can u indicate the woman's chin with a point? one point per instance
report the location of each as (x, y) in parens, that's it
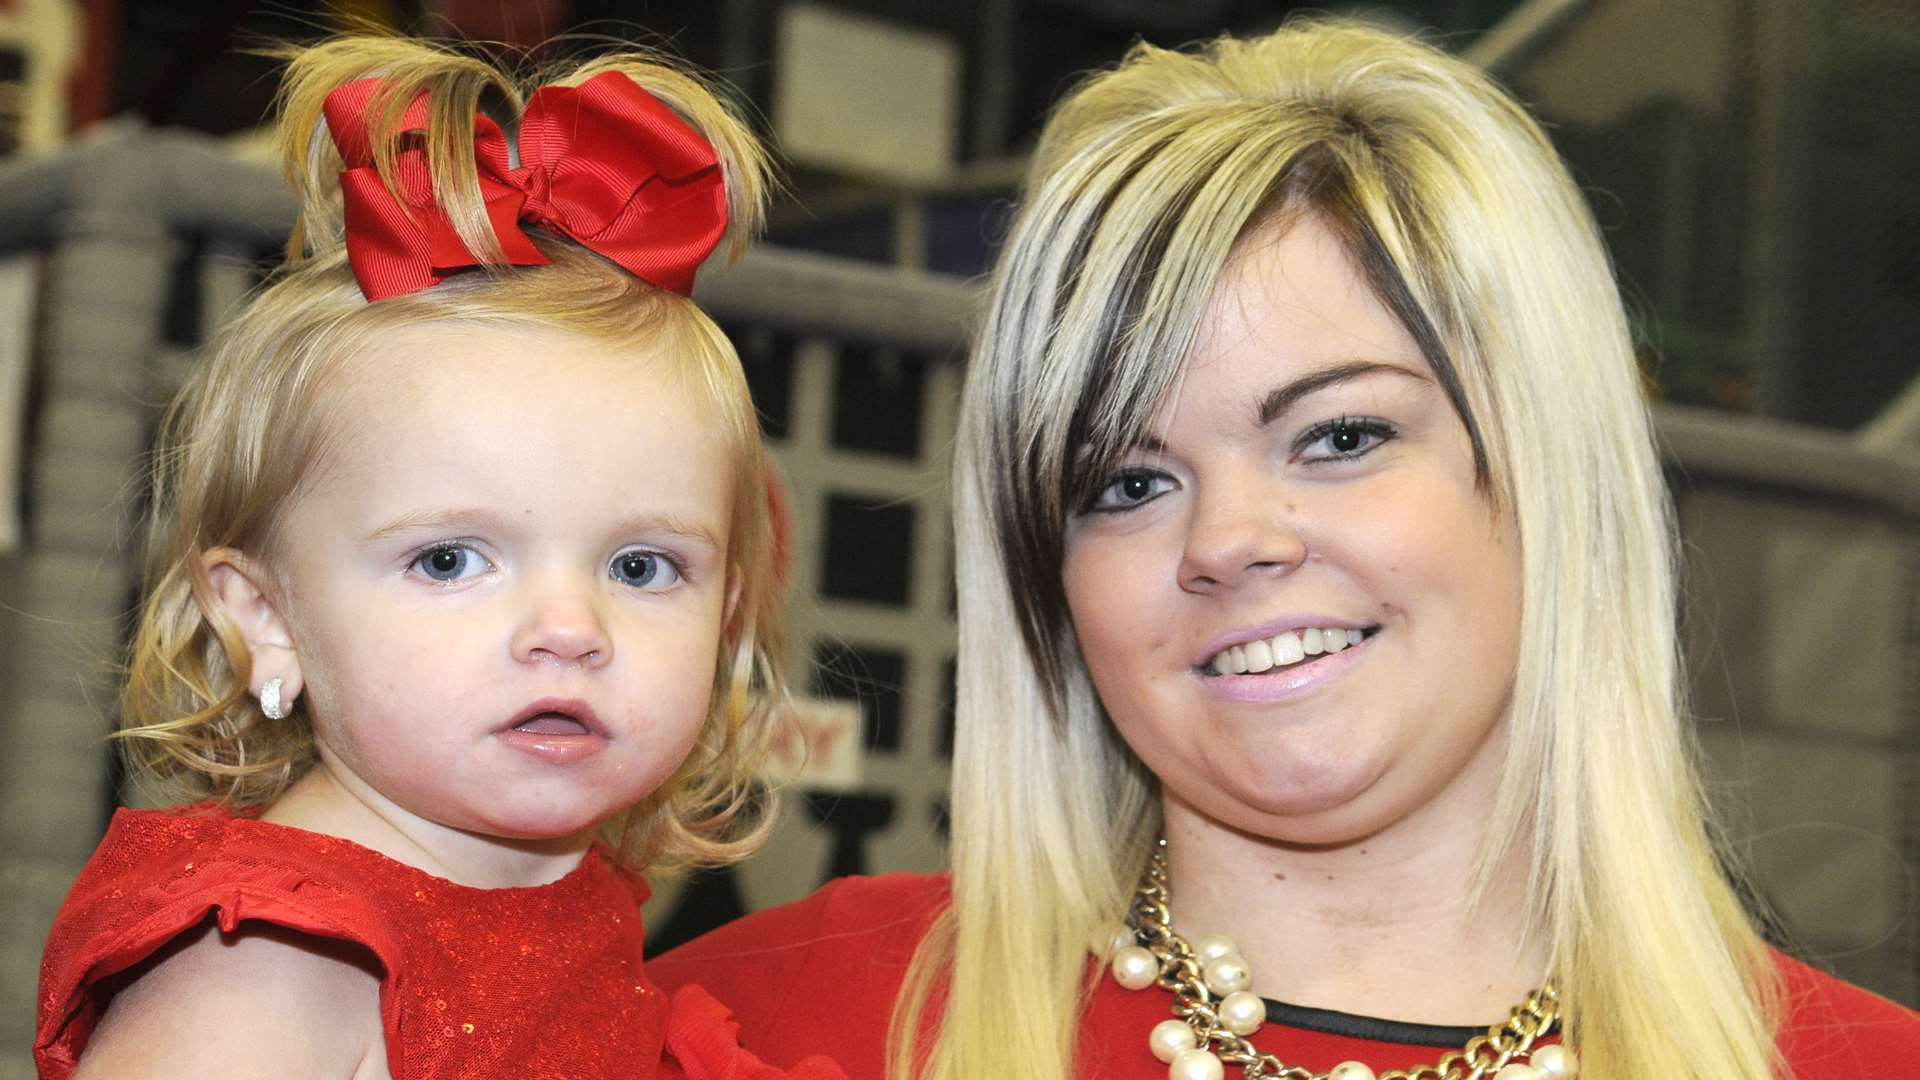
(1308, 807)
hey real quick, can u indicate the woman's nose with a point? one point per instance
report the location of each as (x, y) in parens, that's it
(1238, 534)
(561, 623)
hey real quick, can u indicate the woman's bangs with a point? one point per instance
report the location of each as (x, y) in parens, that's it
(1144, 285)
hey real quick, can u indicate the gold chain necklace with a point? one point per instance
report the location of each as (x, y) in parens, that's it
(1214, 1011)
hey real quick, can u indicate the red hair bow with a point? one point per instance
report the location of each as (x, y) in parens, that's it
(604, 163)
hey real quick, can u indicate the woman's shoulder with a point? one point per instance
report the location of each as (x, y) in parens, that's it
(816, 976)
(703, 1043)
(876, 911)
(1832, 1028)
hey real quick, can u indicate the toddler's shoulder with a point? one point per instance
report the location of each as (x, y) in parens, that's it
(160, 907)
(210, 1004)
(1834, 1029)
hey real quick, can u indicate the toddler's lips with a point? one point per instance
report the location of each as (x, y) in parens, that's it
(555, 730)
(552, 724)
(557, 716)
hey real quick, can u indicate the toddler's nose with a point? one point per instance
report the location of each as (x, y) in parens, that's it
(564, 626)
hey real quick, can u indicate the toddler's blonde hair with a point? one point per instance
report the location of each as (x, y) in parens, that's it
(255, 417)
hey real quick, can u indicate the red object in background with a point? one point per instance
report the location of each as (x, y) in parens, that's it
(524, 24)
(780, 513)
(91, 86)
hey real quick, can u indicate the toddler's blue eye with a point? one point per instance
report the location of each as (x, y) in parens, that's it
(450, 562)
(643, 570)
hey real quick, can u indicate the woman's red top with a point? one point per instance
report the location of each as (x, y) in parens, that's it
(528, 982)
(819, 977)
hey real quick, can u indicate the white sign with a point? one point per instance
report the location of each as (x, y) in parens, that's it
(819, 748)
(866, 97)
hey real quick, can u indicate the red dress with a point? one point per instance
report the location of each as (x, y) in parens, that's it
(820, 976)
(530, 982)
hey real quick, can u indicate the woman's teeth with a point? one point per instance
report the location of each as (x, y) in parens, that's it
(1290, 647)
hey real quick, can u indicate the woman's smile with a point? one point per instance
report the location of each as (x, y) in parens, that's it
(1286, 667)
(1264, 651)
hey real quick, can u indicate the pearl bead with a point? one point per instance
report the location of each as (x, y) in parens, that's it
(1242, 1013)
(1170, 1037)
(1134, 967)
(1350, 1070)
(1225, 974)
(1196, 1065)
(1517, 1071)
(1555, 1062)
(1212, 946)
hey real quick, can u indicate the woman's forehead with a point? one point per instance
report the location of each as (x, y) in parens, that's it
(1294, 284)
(1290, 316)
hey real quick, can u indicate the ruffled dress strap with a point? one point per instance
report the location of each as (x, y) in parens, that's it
(156, 876)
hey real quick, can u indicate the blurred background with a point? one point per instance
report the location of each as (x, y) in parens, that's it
(1751, 162)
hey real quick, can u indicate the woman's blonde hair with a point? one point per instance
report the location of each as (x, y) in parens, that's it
(1456, 209)
(256, 415)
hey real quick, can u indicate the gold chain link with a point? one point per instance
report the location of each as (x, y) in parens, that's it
(1152, 925)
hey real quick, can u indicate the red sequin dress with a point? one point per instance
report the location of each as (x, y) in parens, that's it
(528, 982)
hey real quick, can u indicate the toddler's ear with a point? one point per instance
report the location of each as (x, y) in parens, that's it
(237, 589)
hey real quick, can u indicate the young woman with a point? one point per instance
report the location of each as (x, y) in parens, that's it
(1317, 621)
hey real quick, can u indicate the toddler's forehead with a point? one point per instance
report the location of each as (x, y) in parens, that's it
(421, 357)
(548, 427)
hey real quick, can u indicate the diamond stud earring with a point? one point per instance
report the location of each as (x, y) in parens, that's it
(270, 699)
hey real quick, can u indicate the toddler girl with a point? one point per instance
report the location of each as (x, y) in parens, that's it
(459, 607)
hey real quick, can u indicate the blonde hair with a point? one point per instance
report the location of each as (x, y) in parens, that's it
(1454, 206)
(254, 418)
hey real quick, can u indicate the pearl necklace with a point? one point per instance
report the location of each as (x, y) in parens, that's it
(1214, 1011)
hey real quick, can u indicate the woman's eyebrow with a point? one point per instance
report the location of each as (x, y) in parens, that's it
(1282, 398)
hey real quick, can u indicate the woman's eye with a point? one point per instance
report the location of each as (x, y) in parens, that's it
(1131, 489)
(450, 562)
(1344, 438)
(643, 570)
